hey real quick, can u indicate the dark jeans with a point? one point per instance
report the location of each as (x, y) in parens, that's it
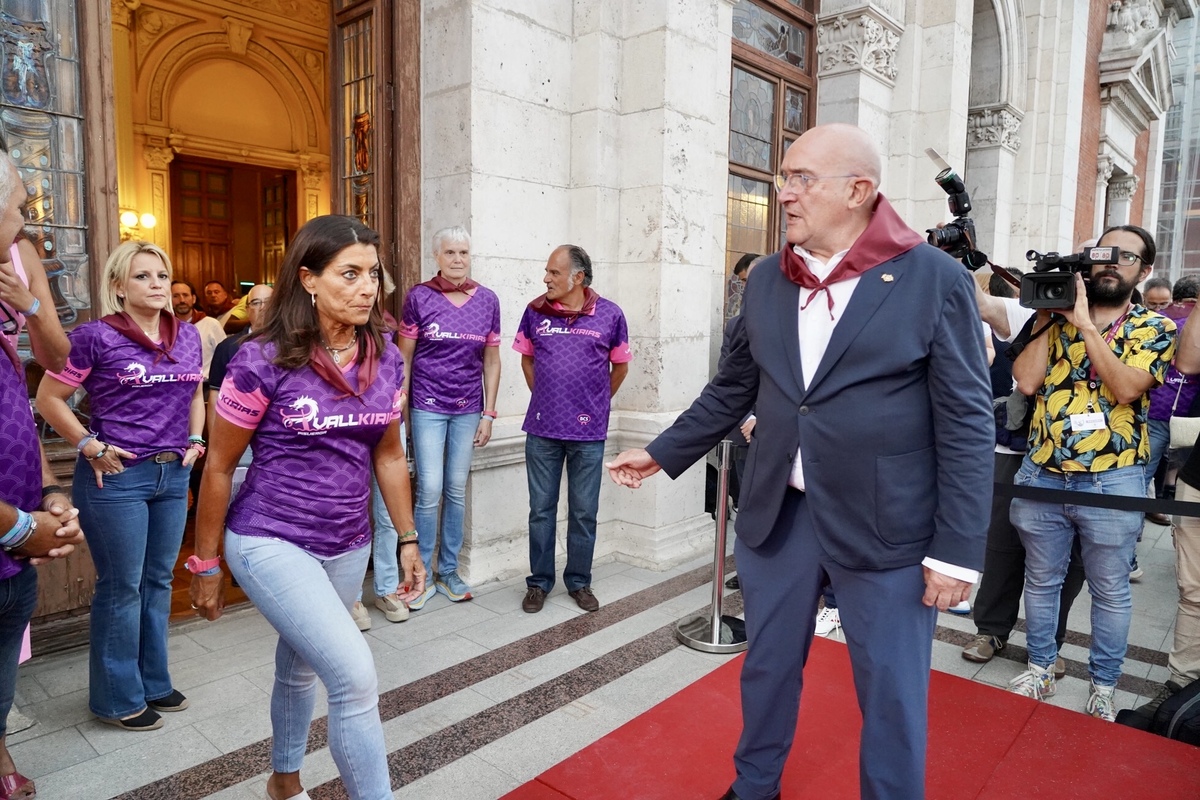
(544, 460)
(998, 601)
(18, 596)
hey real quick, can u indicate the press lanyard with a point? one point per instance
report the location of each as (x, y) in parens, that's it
(1109, 335)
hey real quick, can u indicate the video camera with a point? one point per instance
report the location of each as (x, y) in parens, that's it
(956, 237)
(1052, 282)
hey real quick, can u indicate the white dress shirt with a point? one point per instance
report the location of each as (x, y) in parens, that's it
(816, 324)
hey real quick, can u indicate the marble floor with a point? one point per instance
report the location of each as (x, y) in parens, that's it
(476, 697)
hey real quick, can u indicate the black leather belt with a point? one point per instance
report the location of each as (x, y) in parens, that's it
(165, 457)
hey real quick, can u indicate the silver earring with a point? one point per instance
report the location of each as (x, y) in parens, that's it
(314, 299)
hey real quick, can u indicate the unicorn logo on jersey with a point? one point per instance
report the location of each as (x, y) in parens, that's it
(305, 417)
(133, 375)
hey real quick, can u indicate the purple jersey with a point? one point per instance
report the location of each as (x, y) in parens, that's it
(140, 401)
(20, 459)
(310, 480)
(571, 387)
(447, 369)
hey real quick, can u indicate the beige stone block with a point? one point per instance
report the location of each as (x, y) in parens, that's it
(596, 156)
(553, 14)
(519, 217)
(445, 46)
(595, 219)
(512, 57)
(518, 139)
(643, 71)
(446, 134)
(692, 71)
(641, 146)
(596, 73)
(598, 16)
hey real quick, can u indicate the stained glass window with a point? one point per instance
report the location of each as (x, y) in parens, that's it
(770, 34)
(752, 121)
(746, 220)
(793, 112)
(358, 119)
(41, 122)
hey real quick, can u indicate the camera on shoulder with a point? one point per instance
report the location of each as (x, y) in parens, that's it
(1052, 282)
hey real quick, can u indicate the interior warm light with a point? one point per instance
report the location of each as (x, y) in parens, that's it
(129, 218)
(149, 221)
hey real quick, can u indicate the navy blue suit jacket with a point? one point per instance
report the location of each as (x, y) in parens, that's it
(896, 428)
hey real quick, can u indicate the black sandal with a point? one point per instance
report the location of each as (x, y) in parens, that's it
(145, 721)
(175, 701)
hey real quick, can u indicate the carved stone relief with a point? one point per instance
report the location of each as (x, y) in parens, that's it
(994, 127)
(1104, 169)
(152, 24)
(157, 158)
(861, 42)
(1122, 187)
(312, 12)
(239, 34)
(313, 64)
(122, 12)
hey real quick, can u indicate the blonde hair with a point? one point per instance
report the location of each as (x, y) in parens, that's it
(116, 272)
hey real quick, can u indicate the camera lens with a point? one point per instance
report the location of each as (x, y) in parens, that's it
(1055, 291)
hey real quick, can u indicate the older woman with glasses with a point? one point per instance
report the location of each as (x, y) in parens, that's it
(141, 370)
(317, 392)
(450, 338)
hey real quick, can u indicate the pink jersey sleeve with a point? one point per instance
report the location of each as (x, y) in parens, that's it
(71, 375)
(620, 354)
(408, 331)
(244, 409)
(493, 339)
(522, 344)
(397, 406)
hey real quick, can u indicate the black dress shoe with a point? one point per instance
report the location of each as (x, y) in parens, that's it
(732, 795)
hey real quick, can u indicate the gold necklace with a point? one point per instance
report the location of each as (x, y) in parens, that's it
(334, 351)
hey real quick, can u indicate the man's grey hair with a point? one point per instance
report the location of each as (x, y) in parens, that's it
(453, 234)
(1156, 283)
(580, 262)
(1186, 288)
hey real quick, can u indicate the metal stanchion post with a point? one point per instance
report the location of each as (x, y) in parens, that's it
(711, 632)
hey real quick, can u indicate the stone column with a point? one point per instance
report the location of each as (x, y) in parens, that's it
(1104, 173)
(856, 64)
(123, 76)
(992, 145)
(158, 160)
(313, 175)
(1120, 199)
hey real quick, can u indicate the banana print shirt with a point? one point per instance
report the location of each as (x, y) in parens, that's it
(1145, 340)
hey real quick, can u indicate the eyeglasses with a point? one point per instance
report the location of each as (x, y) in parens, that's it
(801, 181)
(256, 303)
(1127, 258)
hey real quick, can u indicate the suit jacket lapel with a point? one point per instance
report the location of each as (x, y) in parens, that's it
(873, 287)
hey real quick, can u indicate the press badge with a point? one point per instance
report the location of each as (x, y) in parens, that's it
(1087, 422)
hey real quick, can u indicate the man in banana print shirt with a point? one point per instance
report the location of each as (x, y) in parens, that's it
(1090, 370)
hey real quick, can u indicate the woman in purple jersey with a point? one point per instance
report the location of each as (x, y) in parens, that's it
(318, 393)
(450, 338)
(141, 370)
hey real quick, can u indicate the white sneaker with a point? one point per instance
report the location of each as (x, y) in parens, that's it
(962, 609)
(1100, 703)
(828, 621)
(361, 618)
(392, 607)
(1036, 682)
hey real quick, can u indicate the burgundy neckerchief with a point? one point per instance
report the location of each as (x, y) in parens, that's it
(550, 309)
(197, 315)
(331, 373)
(885, 238)
(168, 330)
(443, 285)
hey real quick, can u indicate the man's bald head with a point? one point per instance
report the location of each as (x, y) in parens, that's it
(256, 303)
(849, 147)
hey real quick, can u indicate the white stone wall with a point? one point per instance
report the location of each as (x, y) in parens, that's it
(593, 122)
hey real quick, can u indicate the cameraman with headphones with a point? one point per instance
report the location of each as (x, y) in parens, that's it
(1090, 369)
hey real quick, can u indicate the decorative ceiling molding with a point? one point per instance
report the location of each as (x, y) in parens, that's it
(313, 64)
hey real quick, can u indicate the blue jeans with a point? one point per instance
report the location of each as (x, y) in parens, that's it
(1160, 442)
(544, 467)
(18, 596)
(1107, 539)
(384, 540)
(306, 599)
(442, 446)
(134, 528)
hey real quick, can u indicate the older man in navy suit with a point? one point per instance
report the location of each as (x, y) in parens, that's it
(862, 354)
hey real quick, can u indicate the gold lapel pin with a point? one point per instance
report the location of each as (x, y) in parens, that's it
(887, 277)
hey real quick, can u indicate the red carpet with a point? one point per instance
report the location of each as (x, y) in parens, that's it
(983, 743)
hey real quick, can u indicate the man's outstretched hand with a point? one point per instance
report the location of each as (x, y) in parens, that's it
(631, 468)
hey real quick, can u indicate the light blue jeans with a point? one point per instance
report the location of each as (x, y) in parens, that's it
(1107, 539)
(1159, 431)
(134, 528)
(306, 599)
(443, 445)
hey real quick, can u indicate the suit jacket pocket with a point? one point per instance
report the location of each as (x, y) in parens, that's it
(906, 496)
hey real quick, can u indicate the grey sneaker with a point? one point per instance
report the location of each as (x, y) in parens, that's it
(392, 607)
(1166, 690)
(1036, 682)
(982, 648)
(1100, 703)
(453, 587)
(362, 619)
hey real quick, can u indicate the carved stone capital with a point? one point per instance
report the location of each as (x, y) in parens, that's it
(1122, 187)
(997, 126)
(1104, 169)
(239, 33)
(863, 40)
(122, 12)
(157, 158)
(312, 173)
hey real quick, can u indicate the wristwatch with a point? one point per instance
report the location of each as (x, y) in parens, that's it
(195, 566)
